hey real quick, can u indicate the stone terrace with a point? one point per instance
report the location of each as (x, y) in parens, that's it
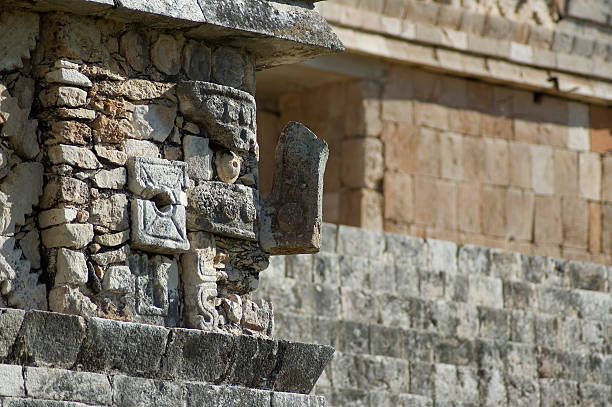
(430, 323)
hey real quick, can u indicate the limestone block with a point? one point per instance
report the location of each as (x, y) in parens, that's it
(197, 61)
(70, 267)
(63, 96)
(111, 257)
(159, 229)
(136, 391)
(291, 218)
(81, 157)
(165, 54)
(69, 132)
(136, 89)
(134, 47)
(70, 77)
(228, 209)
(228, 166)
(227, 114)
(30, 245)
(113, 239)
(10, 320)
(198, 157)
(542, 176)
(590, 175)
(156, 285)
(17, 127)
(110, 212)
(27, 291)
(11, 377)
(69, 300)
(71, 235)
(111, 179)
(158, 179)
(64, 189)
(140, 148)
(112, 156)
(18, 34)
(59, 384)
(76, 114)
(228, 67)
(118, 279)
(11, 264)
(23, 187)
(153, 122)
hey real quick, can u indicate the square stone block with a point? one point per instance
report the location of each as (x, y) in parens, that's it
(159, 229)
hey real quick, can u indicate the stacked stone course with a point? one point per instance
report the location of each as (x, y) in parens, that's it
(432, 323)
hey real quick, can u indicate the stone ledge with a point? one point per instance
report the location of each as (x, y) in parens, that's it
(36, 338)
(275, 33)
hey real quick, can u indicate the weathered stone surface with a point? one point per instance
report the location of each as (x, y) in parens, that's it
(70, 300)
(112, 256)
(118, 279)
(70, 267)
(11, 377)
(136, 89)
(198, 157)
(228, 166)
(301, 366)
(20, 192)
(71, 235)
(228, 67)
(228, 209)
(140, 148)
(65, 96)
(78, 156)
(197, 61)
(166, 55)
(153, 122)
(113, 239)
(26, 290)
(131, 348)
(158, 179)
(30, 245)
(134, 392)
(210, 396)
(156, 285)
(227, 113)
(68, 77)
(291, 218)
(111, 212)
(135, 49)
(48, 339)
(64, 189)
(111, 179)
(17, 127)
(59, 384)
(10, 321)
(112, 156)
(18, 34)
(295, 400)
(70, 132)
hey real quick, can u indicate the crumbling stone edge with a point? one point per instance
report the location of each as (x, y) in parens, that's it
(46, 339)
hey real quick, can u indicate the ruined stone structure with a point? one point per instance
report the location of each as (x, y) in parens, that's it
(130, 206)
(470, 143)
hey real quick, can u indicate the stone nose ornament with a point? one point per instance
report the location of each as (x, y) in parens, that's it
(286, 222)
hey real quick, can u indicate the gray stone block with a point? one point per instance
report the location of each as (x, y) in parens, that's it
(20, 402)
(552, 300)
(329, 236)
(198, 355)
(359, 305)
(590, 304)
(49, 339)
(544, 270)
(326, 268)
(588, 276)
(296, 400)
(201, 395)
(326, 331)
(135, 392)
(10, 323)
(445, 384)
(255, 362)
(505, 264)
(520, 295)
(294, 327)
(349, 397)
(130, 348)
(386, 341)
(455, 351)
(495, 323)
(441, 256)
(354, 337)
(555, 392)
(360, 242)
(159, 230)
(300, 366)
(354, 272)
(419, 346)
(474, 259)
(521, 360)
(382, 276)
(299, 267)
(395, 310)
(66, 385)
(409, 400)
(594, 394)
(319, 299)
(407, 279)
(548, 330)
(456, 287)
(11, 377)
(406, 249)
(422, 379)
(523, 327)
(522, 392)
(467, 320)
(485, 291)
(431, 284)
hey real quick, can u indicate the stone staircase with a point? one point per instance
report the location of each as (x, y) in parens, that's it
(431, 323)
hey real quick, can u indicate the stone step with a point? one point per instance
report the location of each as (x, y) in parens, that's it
(36, 338)
(355, 377)
(52, 387)
(364, 398)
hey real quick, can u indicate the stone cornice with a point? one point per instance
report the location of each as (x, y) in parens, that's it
(274, 32)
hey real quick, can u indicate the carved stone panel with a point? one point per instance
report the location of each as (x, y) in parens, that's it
(156, 285)
(158, 179)
(291, 215)
(227, 114)
(227, 209)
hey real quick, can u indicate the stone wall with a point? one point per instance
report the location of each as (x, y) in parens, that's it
(435, 155)
(431, 323)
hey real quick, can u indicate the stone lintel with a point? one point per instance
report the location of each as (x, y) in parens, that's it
(275, 33)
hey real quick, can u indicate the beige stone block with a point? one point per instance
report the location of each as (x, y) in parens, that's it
(494, 211)
(362, 208)
(496, 161)
(578, 137)
(590, 175)
(362, 162)
(331, 207)
(473, 159)
(575, 217)
(606, 228)
(519, 214)
(547, 250)
(451, 156)
(465, 121)
(431, 115)
(542, 169)
(594, 227)
(71, 235)
(428, 152)
(446, 205)
(606, 180)
(520, 164)
(566, 172)
(548, 228)
(526, 131)
(398, 197)
(469, 203)
(397, 110)
(401, 146)
(425, 199)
